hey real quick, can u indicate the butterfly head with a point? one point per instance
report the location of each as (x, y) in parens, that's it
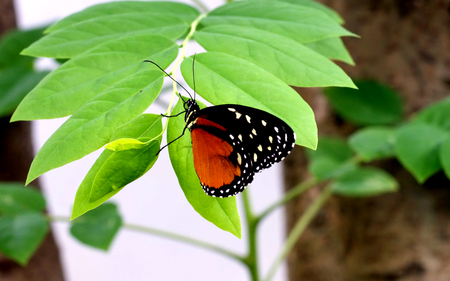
(191, 108)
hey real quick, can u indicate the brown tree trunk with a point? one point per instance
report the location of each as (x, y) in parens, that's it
(402, 236)
(16, 154)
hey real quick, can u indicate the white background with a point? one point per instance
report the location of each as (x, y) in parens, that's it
(154, 200)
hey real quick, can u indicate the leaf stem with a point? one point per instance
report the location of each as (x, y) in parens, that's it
(169, 235)
(251, 260)
(288, 196)
(298, 229)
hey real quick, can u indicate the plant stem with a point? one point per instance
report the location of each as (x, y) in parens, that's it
(252, 257)
(298, 229)
(291, 194)
(169, 235)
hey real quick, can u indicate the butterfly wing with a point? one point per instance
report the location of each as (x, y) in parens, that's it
(233, 142)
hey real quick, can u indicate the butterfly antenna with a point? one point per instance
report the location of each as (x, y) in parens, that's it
(172, 80)
(193, 76)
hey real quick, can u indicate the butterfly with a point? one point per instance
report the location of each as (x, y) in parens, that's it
(230, 143)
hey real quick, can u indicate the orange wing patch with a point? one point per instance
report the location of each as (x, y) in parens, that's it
(211, 159)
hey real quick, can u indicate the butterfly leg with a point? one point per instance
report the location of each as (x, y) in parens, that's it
(182, 134)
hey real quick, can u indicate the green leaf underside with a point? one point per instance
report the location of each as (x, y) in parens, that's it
(417, 148)
(15, 84)
(332, 48)
(373, 143)
(364, 182)
(302, 24)
(329, 160)
(21, 235)
(436, 114)
(98, 227)
(113, 170)
(91, 74)
(372, 104)
(109, 22)
(130, 8)
(285, 58)
(13, 43)
(316, 5)
(220, 211)
(444, 156)
(224, 79)
(16, 199)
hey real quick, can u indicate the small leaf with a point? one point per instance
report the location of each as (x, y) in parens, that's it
(220, 211)
(15, 198)
(21, 235)
(125, 144)
(372, 104)
(332, 48)
(224, 79)
(436, 114)
(417, 148)
(364, 182)
(114, 170)
(444, 156)
(15, 84)
(97, 228)
(101, 24)
(330, 158)
(285, 58)
(13, 43)
(299, 23)
(373, 143)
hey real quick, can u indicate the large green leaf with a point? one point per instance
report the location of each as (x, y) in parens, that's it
(373, 143)
(16, 199)
(92, 74)
(417, 147)
(224, 79)
(15, 84)
(332, 48)
(220, 211)
(299, 23)
(372, 104)
(13, 43)
(103, 23)
(285, 58)
(21, 235)
(113, 170)
(437, 114)
(98, 227)
(330, 158)
(364, 182)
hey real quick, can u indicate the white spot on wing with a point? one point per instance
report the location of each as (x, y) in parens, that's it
(248, 118)
(255, 157)
(240, 137)
(254, 132)
(276, 129)
(238, 115)
(231, 109)
(264, 123)
(259, 147)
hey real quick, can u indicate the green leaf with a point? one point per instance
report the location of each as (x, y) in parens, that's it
(113, 170)
(417, 148)
(93, 74)
(372, 104)
(364, 182)
(13, 43)
(330, 158)
(15, 84)
(285, 58)
(224, 79)
(373, 143)
(103, 23)
(21, 235)
(299, 23)
(319, 6)
(436, 114)
(444, 156)
(125, 144)
(332, 48)
(220, 211)
(98, 227)
(16, 199)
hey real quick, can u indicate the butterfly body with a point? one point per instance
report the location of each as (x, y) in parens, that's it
(231, 142)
